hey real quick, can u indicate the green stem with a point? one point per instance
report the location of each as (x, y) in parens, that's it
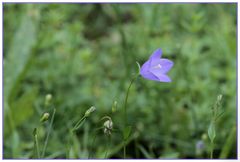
(228, 144)
(125, 111)
(126, 99)
(69, 143)
(93, 141)
(77, 126)
(37, 146)
(79, 123)
(211, 151)
(50, 128)
(108, 145)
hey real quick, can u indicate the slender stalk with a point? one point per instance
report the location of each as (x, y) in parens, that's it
(93, 141)
(49, 130)
(228, 144)
(37, 146)
(126, 99)
(77, 126)
(108, 145)
(124, 149)
(90, 152)
(79, 123)
(211, 151)
(125, 111)
(69, 143)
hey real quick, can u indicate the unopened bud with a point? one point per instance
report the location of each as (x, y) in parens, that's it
(89, 111)
(48, 99)
(44, 117)
(114, 106)
(219, 98)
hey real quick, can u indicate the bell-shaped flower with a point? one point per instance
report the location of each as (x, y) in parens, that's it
(156, 68)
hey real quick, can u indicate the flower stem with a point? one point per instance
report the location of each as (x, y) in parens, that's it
(126, 99)
(107, 149)
(79, 123)
(76, 127)
(93, 141)
(211, 151)
(36, 145)
(49, 130)
(125, 112)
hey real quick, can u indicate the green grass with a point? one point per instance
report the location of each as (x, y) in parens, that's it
(85, 55)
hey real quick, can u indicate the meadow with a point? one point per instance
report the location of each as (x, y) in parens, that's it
(67, 70)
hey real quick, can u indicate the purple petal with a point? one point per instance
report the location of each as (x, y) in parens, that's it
(157, 54)
(145, 67)
(144, 71)
(163, 78)
(149, 76)
(161, 66)
(156, 68)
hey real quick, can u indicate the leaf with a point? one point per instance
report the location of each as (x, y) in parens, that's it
(145, 152)
(18, 57)
(22, 108)
(16, 64)
(127, 132)
(170, 155)
(211, 131)
(15, 144)
(71, 153)
(231, 139)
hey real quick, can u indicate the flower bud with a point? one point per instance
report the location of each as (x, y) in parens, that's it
(114, 106)
(89, 111)
(48, 99)
(219, 98)
(108, 125)
(44, 117)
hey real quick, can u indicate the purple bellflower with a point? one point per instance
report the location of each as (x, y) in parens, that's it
(156, 67)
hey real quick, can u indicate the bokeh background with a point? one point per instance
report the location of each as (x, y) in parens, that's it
(85, 54)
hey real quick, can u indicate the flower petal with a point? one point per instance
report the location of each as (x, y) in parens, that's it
(156, 68)
(145, 67)
(157, 54)
(144, 71)
(161, 66)
(163, 78)
(149, 76)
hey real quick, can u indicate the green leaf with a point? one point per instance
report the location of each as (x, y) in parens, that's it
(22, 108)
(145, 152)
(16, 64)
(15, 144)
(211, 131)
(20, 52)
(231, 139)
(127, 132)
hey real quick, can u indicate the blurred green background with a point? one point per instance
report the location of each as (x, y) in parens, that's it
(85, 54)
